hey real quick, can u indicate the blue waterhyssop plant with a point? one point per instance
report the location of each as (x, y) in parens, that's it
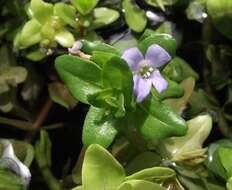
(118, 86)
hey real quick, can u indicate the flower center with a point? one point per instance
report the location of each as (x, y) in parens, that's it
(145, 70)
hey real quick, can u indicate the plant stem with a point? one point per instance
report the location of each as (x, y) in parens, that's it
(23, 125)
(42, 115)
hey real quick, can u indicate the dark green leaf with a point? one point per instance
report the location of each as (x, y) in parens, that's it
(164, 40)
(80, 76)
(220, 13)
(99, 128)
(178, 70)
(156, 120)
(117, 75)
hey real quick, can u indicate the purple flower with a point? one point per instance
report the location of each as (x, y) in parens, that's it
(145, 70)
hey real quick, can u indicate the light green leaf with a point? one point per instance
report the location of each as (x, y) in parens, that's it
(66, 12)
(41, 10)
(225, 155)
(29, 35)
(83, 6)
(180, 148)
(140, 184)
(153, 174)
(104, 16)
(78, 188)
(101, 170)
(135, 17)
(98, 128)
(64, 38)
(36, 55)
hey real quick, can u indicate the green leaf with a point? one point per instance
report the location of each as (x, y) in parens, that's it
(101, 170)
(214, 162)
(128, 40)
(80, 76)
(164, 40)
(117, 75)
(41, 10)
(174, 90)
(220, 13)
(156, 120)
(29, 35)
(66, 13)
(78, 188)
(229, 184)
(181, 148)
(161, 3)
(156, 3)
(82, 68)
(109, 99)
(179, 104)
(104, 98)
(48, 31)
(99, 128)
(89, 47)
(142, 161)
(153, 174)
(135, 17)
(101, 57)
(43, 150)
(83, 6)
(36, 55)
(140, 184)
(43, 158)
(196, 10)
(10, 181)
(13, 75)
(64, 38)
(178, 70)
(225, 155)
(104, 16)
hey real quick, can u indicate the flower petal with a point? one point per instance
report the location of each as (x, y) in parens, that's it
(75, 49)
(133, 56)
(142, 87)
(158, 81)
(157, 56)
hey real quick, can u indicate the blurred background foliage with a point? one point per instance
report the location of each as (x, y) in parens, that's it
(32, 97)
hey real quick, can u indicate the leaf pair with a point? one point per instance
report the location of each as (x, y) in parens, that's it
(102, 171)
